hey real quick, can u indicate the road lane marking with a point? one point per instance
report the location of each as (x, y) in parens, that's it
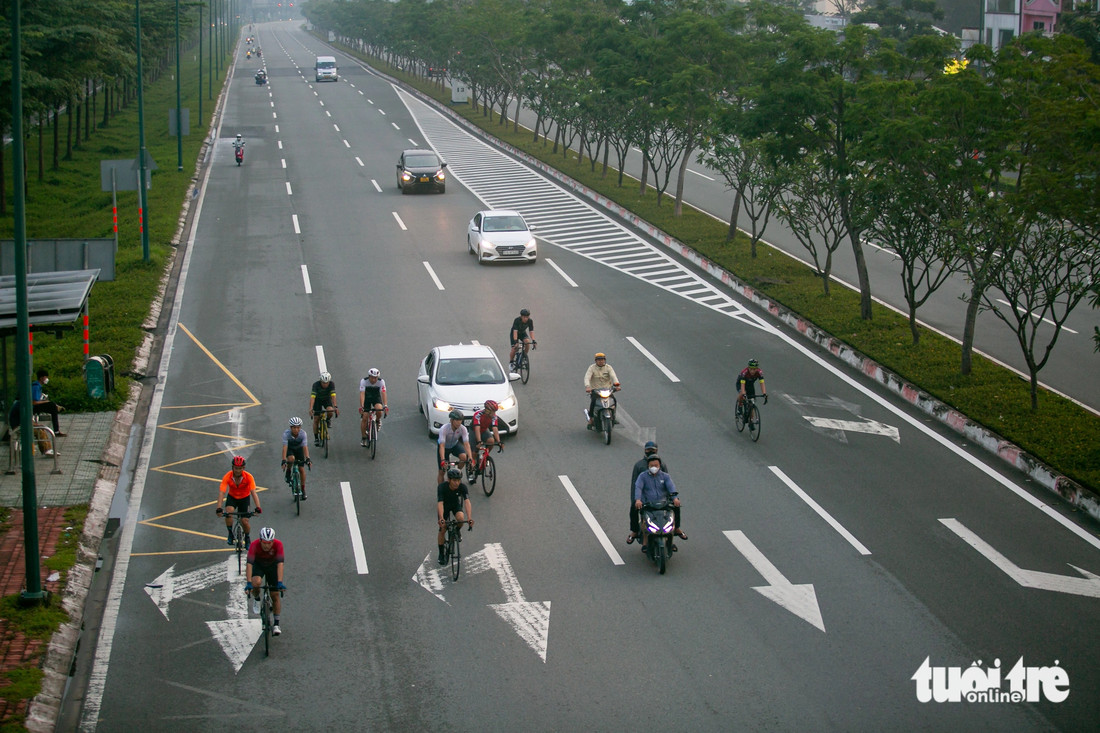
(475, 342)
(274, 116)
(288, 191)
(352, 85)
(322, 102)
(414, 142)
(395, 126)
(280, 143)
(328, 113)
(305, 278)
(376, 186)
(560, 271)
(592, 523)
(399, 222)
(435, 278)
(347, 144)
(371, 101)
(272, 104)
(360, 92)
(860, 548)
(276, 130)
(336, 127)
(382, 111)
(1035, 317)
(284, 162)
(700, 174)
(297, 229)
(357, 160)
(322, 365)
(652, 358)
(801, 600)
(353, 527)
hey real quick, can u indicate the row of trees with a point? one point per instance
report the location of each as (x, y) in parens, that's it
(984, 164)
(76, 51)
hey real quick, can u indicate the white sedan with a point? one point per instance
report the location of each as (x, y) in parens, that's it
(461, 377)
(501, 235)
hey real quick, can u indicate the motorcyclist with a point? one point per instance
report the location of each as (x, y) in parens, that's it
(640, 468)
(653, 486)
(599, 376)
(239, 142)
(261, 76)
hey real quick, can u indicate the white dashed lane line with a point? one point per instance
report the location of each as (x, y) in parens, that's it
(284, 162)
(395, 126)
(305, 279)
(328, 113)
(280, 143)
(288, 191)
(382, 111)
(560, 271)
(652, 358)
(435, 278)
(399, 222)
(376, 186)
(337, 127)
(414, 142)
(297, 229)
(358, 161)
(347, 144)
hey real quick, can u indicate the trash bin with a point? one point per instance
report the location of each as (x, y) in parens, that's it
(99, 375)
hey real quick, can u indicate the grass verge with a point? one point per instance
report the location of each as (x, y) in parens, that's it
(1061, 434)
(68, 202)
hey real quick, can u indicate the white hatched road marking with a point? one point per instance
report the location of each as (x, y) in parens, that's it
(501, 182)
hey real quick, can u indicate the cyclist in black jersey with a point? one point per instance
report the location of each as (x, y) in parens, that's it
(523, 332)
(322, 399)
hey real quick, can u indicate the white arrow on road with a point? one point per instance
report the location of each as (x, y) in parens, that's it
(856, 426)
(168, 586)
(1086, 586)
(801, 600)
(238, 634)
(531, 620)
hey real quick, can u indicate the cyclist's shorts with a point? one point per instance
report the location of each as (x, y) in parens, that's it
(513, 341)
(268, 571)
(298, 453)
(450, 510)
(320, 406)
(456, 451)
(750, 387)
(240, 505)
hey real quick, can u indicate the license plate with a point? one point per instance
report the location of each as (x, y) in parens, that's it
(423, 179)
(468, 422)
(510, 250)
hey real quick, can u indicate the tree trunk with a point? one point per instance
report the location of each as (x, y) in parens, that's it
(735, 215)
(69, 133)
(861, 269)
(645, 174)
(56, 136)
(41, 144)
(538, 124)
(88, 112)
(557, 134)
(606, 153)
(968, 328)
(91, 116)
(1034, 389)
(515, 119)
(107, 101)
(76, 143)
(3, 186)
(678, 209)
(913, 327)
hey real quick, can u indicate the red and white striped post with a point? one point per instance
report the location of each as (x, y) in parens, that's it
(85, 319)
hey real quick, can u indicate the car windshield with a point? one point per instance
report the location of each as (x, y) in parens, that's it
(326, 64)
(504, 224)
(421, 161)
(482, 370)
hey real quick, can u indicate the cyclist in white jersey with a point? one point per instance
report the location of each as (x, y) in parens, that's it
(454, 440)
(372, 396)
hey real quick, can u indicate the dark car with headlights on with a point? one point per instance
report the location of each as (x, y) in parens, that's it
(421, 169)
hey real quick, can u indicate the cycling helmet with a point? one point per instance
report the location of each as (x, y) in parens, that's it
(753, 363)
(326, 377)
(600, 355)
(374, 373)
(295, 421)
(238, 461)
(453, 473)
(653, 457)
(525, 312)
(455, 415)
(492, 405)
(267, 534)
(238, 136)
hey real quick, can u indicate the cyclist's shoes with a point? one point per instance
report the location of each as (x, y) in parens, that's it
(363, 442)
(442, 557)
(275, 630)
(317, 442)
(304, 497)
(248, 540)
(230, 540)
(255, 605)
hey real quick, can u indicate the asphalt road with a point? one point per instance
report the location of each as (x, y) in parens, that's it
(368, 647)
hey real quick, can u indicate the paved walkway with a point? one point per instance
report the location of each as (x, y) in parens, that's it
(79, 459)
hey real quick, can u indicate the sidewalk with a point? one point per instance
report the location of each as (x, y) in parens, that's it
(79, 459)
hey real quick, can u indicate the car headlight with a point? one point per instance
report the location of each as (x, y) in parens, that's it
(487, 244)
(531, 243)
(439, 175)
(406, 176)
(508, 404)
(441, 405)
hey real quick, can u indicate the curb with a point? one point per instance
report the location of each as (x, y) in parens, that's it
(43, 711)
(1079, 496)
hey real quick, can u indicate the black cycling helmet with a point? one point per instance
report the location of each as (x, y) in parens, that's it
(753, 363)
(653, 457)
(453, 473)
(455, 415)
(525, 312)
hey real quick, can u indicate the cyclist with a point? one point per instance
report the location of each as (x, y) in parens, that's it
(372, 396)
(265, 567)
(746, 383)
(295, 451)
(599, 376)
(322, 398)
(485, 424)
(523, 331)
(454, 440)
(653, 485)
(640, 468)
(241, 487)
(452, 497)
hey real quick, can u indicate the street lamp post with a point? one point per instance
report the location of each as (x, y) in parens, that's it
(34, 593)
(179, 112)
(143, 198)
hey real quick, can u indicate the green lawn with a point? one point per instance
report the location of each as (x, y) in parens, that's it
(69, 203)
(1060, 434)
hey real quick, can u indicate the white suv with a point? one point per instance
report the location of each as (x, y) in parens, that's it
(461, 377)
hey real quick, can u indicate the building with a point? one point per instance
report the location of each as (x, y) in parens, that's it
(1003, 20)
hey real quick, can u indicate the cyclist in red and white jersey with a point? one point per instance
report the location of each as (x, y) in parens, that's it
(485, 424)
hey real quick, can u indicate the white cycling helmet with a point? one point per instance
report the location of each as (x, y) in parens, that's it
(326, 377)
(374, 373)
(238, 136)
(295, 421)
(267, 534)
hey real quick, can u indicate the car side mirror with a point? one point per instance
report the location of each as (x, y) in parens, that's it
(532, 227)
(424, 379)
(513, 377)
(444, 165)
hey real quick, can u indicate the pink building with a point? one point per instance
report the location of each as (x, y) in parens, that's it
(1039, 15)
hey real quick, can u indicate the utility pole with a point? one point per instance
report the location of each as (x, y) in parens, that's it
(143, 198)
(200, 64)
(179, 112)
(34, 593)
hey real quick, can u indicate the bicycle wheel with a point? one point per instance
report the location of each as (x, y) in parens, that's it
(238, 541)
(456, 555)
(324, 437)
(296, 488)
(738, 419)
(524, 368)
(489, 476)
(372, 436)
(754, 423)
(265, 619)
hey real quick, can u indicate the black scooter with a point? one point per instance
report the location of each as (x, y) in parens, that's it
(603, 420)
(658, 527)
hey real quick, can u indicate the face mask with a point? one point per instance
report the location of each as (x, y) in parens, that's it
(45, 381)
(654, 469)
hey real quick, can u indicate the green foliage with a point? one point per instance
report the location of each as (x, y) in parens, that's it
(35, 622)
(1062, 434)
(21, 683)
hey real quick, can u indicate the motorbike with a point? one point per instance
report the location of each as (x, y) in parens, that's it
(238, 152)
(248, 54)
(604, 418)
(261, 78)
(658, 525)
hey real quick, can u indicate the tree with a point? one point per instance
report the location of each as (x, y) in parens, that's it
(809, 206)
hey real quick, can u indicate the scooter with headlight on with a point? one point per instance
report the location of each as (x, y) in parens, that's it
(603, 417)
(658, 522)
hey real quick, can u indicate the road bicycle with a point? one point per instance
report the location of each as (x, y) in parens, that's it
(265, 611)
(239, 534)
(373, 427)
(485, 467)
(323, 429)
(747, 413)
(522, 363)
(296, 483)
(453, 552)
